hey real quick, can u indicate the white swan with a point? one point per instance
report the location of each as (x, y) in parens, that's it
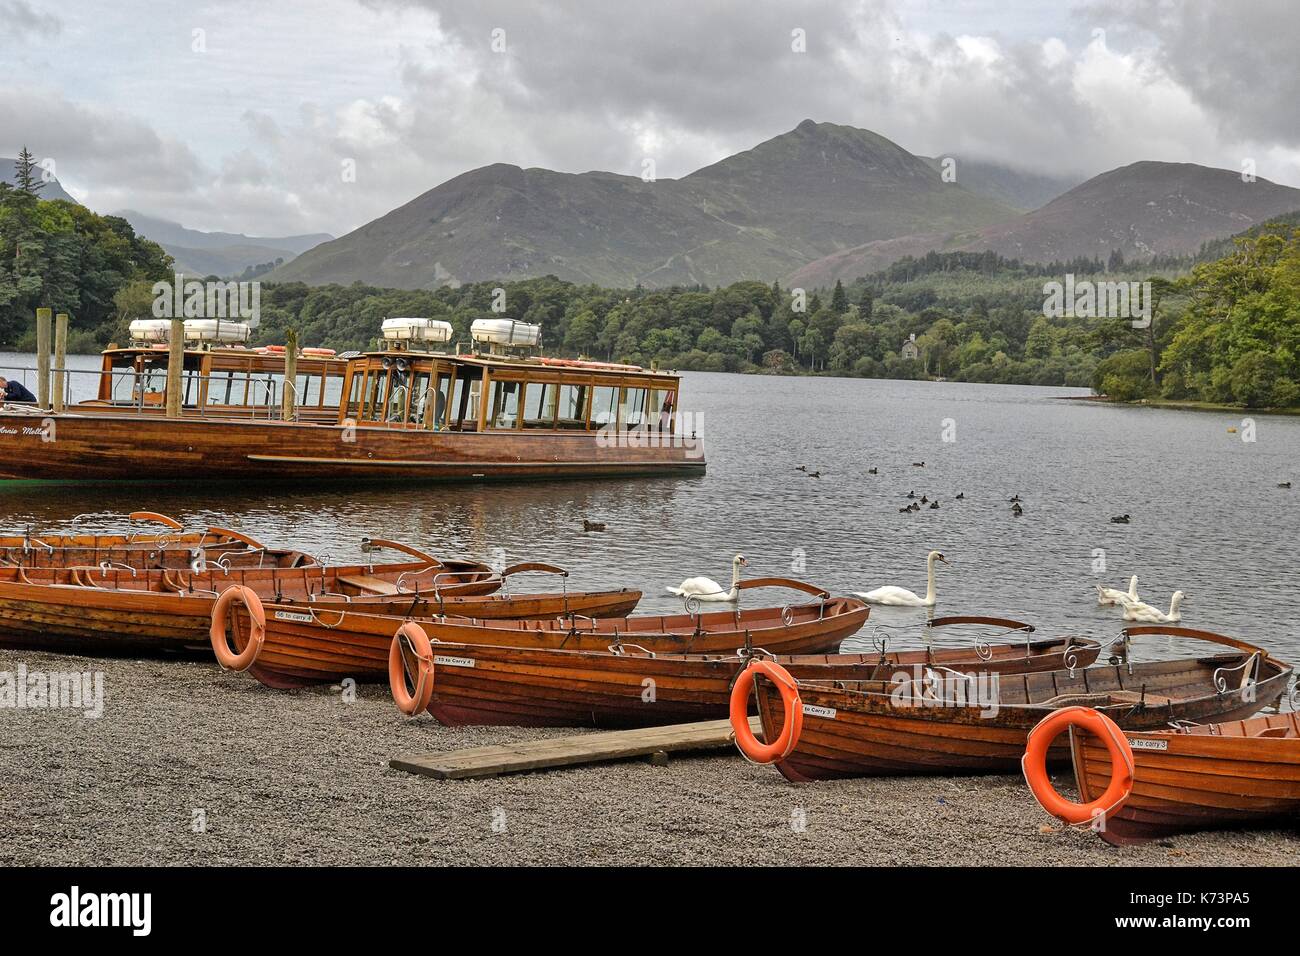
(1138, 611)
(707, 589)
(901, 597)
(1109, 596)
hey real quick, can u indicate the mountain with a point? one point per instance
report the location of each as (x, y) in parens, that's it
(225, 254)
(756, 215)
(1017, 188)
(53, 189)
(167, 233)
(1143, 209)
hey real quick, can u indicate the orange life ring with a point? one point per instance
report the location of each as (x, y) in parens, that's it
(274, 348)
(749, 745)
(327, 353)
(411, 703)
(1034, 763)
(256, 632)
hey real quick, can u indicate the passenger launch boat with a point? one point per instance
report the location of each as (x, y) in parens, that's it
(404, 412)
(942, 721)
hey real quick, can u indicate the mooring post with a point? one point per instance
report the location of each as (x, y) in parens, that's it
(175, 366)
(60, 360)
(43, 319)
(290, 394)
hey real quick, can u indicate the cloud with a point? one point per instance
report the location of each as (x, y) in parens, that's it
(324, 120)
(23, 21)
(1236, 60)
(95, 151)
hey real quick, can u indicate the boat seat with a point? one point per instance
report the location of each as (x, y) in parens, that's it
(1273, 732)
(1133, 697)
(366, 582)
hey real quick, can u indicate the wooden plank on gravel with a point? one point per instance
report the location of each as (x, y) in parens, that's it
(570, 751)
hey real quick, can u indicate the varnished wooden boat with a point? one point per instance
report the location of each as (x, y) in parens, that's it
(297, 647)
(111, 608)
(873, 728)
(630, 688)
(175, 548)
(1235, 773)
(402, 414)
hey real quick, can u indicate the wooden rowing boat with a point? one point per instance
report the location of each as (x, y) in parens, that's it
(297, 646)
(630, 688)
(942, 722)
(1227, 774)
(112, 608)
(175, 548)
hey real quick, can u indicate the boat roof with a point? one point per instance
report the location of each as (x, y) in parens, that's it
(523, 363)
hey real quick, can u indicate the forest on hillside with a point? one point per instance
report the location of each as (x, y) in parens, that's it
(1225, 327)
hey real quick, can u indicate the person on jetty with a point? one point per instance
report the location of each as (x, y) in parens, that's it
(16, 391)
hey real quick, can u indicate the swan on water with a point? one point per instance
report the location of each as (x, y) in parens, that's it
(707, 589)
(1138, 611)
(1109, 596)
(901, 597)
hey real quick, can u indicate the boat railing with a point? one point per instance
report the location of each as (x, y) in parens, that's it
(1249, 673)
(982, 645)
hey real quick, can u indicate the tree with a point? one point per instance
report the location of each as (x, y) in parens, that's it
(27, 176)
(839, 299)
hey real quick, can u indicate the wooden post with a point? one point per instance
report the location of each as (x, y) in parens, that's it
(289, 396)
(175, 366)
(60, 359)
(43, 318)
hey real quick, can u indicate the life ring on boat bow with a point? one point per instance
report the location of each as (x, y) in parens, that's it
(750, 745)
(411, 702)
(256, 628)
(1034, 763)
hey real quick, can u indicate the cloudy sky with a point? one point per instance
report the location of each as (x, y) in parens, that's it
(319, 115)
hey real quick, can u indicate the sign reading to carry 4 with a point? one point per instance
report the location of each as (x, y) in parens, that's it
(293, 616)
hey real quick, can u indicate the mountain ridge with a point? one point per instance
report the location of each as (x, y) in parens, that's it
(757, 214)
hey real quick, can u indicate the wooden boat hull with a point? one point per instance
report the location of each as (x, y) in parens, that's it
(176, 551)
(300, 649)
(125, 611)
(856, 733)
(529, 687)
(1199, 780)
(95, 447)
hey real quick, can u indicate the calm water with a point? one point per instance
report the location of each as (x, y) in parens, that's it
(1207, 515)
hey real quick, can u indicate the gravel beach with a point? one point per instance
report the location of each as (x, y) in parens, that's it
(303, 777)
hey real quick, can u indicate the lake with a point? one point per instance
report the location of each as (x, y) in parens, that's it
(1207, 515)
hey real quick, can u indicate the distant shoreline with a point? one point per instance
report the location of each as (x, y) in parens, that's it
(1185, 405)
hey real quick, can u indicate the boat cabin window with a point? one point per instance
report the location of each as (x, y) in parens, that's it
(631, 411)
(604, 406)
(541, 399)
(333, 391)
(465, 401)
(659, 410)
(436, 414)
(503, 404)
(572, 406)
